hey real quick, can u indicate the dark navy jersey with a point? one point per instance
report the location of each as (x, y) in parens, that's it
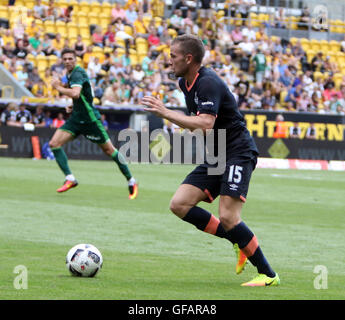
(209, 94)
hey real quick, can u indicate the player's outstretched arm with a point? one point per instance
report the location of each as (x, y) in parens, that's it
(203, 121)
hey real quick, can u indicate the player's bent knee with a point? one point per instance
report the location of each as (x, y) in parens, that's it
(178, 208)
(228, 221)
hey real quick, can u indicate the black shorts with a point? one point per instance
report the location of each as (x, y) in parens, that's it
(234, 182)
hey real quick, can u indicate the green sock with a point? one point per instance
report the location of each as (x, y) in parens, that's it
(121, 162)
(62, 161)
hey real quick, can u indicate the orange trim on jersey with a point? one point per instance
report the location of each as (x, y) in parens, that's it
(191, 86)
(243, 198)
(210, 198)
(251, 247)
(212, 225)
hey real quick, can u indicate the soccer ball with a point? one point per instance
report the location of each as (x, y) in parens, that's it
(84, 260)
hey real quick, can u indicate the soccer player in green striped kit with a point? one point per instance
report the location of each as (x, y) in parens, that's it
(84, 120)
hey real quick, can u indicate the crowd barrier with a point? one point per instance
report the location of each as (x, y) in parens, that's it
(328, 145)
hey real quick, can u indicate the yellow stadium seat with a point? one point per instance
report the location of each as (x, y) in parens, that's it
(82, 18)
(254, 20)
(84, 6)
(310, 55)
(106, 8)
(314, 45)
(31, 58)
(60, 27)
(293, 40)
(49, 26)
(93, 18)
(30, 4)
(52, 59)
(147, 20)
(104, 20)
(84, 31)
(4, 12)
(129, 30)
(72, 30)
(318, 75)
(141, 45)
(42, 62)
(305, 44)
(324, 45)
(158, 21)
(294, 22)
(96, 7)
(121, 42)
(61, 4)
(334, 45)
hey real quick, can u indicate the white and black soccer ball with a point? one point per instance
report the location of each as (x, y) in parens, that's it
(84, 260)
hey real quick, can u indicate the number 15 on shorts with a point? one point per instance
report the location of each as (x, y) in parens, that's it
(235, 173)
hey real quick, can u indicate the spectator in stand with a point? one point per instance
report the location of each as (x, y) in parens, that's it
(8, 116)
(118, 13)
(39, 89)
(52, 12)
(22, 74)
(48, 120)
(111, 94)
(205, 12)
(304, 19)
(7, 37)
(22, 116)
(66, 14)
(97, 37)
(311, 132)
(7, 51)
(36, 44)
(139, 27)
(303, 102)
(280, 18)
(295, 131)
(104, 121)
(256, 96)
(40, 10)
(34, 76)
(244, 8)
(176, 21)
(109, 37)
(58, 121)
(57, 44)
(39, 117)
(260, 64)
(153, 38)
(93, 69)
(243, 88)
(47, 45)
(237, 35)
(131, 14)
(20, 52)
(317, 63)
(249, 32)
(184, 7)
(293, 95)
(58, 68)
(79, 47)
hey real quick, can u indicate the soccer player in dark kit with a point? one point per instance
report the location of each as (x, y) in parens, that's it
(85, 120)
(212, 106)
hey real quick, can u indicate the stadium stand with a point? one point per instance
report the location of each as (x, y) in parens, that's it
(142, 31)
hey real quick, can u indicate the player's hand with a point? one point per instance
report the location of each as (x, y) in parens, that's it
(69, 109)
(55, 82)
(154, 105)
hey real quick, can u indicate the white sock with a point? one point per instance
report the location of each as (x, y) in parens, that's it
(70, 177)
(131, 181)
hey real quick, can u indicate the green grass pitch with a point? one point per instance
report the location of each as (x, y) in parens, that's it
(298, 217)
